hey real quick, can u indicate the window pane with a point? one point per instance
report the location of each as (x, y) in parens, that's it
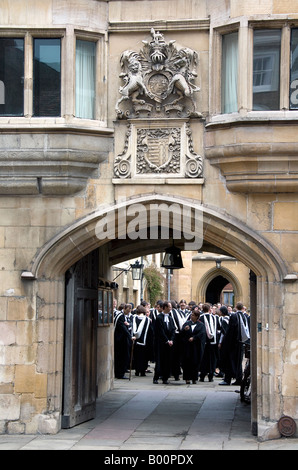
(85, 79)
(266, 69)
(11, 77)
(229, 78)
(46, 77)
(294, 70)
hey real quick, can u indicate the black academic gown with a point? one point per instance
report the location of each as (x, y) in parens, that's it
(163, 351)
(179, 320)
(192, 351)
(122, 346)
(210, 357)
(143, 346)
(232, 350)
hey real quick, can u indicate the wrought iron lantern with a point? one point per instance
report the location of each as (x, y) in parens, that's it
(137, 271)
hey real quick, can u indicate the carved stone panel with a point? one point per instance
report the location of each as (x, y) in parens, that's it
(158, 81)
(158, 148)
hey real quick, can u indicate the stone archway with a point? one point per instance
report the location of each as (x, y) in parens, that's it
(228, 233)
(212, 274)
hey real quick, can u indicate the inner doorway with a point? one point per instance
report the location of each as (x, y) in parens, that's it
(214, 289)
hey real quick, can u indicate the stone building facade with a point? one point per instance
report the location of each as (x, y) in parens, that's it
(107, 107)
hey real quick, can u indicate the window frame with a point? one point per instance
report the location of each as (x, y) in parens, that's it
(100, 104)
(245, 71)
(68, 42)
(2, 84)
(215, 85)
(284, 73)
(34, 78)
(222, 68)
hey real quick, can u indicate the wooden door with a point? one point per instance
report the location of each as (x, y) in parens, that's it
(80, 372)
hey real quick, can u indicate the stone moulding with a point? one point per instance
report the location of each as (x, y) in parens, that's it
(169, 25)
(55, 161)
(269, 165)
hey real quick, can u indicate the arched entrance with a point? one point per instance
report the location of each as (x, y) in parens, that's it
(214, 280)
(221, 231)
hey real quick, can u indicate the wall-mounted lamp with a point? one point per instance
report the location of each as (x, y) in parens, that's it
(218, 263)
(137, 270)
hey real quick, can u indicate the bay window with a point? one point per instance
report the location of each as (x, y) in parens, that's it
(256, 70)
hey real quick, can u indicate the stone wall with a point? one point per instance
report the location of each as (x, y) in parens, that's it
(248, 194)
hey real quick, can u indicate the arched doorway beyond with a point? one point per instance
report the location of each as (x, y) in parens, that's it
(215, 288)
(211, 284)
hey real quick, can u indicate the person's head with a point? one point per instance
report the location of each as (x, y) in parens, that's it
(141, 310)
(239, 306)
(224, 311)
(183, 304)
(167, 307)
(206, 308)
(195, 314)
(127, 309)
(159, 305)
(195, 308)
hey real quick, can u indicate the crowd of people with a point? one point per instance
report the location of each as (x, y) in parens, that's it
(195, 341)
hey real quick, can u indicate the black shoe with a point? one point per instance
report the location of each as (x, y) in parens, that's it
(224, 383)
(218, 374)
(165, 382)
(155, 381)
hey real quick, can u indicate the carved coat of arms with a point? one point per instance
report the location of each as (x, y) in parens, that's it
(158, 80)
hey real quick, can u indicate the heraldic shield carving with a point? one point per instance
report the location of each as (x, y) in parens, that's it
(158, 81)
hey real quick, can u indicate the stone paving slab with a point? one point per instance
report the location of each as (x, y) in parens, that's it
(139, 415)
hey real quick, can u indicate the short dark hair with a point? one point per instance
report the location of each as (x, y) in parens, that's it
(141, 309)
(166, 304)
(206, 307)
(195, 312)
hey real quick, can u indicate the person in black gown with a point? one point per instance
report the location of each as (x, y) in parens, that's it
(142, 331)
(122, 345)
(193, 335)
(164, 334)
